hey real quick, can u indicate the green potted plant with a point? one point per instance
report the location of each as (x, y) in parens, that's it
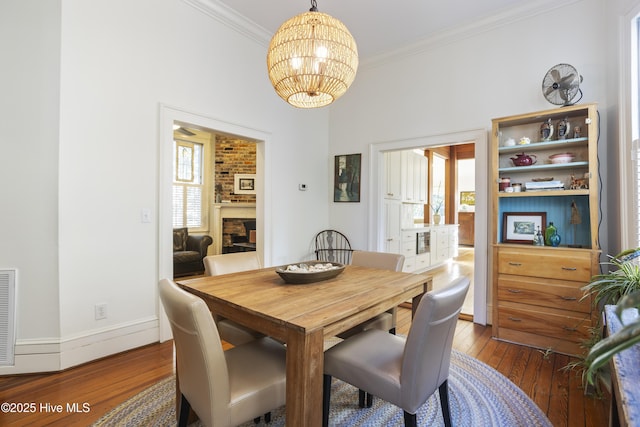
(629, 335)
(621, 279)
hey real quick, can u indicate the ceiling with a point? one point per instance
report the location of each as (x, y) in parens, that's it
(382, 26)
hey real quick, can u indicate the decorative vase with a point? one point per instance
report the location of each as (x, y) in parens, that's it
(437, 218)
(555, 239)
(550, 231)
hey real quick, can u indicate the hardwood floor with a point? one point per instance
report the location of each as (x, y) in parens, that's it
(104, 384)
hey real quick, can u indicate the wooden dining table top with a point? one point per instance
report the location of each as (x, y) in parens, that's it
(263, 295)
(304, 315)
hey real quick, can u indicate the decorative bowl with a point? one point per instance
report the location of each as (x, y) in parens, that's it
(562, 158)
(309, 272)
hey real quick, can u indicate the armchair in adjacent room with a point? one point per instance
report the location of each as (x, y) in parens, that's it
(188, 252)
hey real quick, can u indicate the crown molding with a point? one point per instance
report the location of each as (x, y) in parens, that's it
(467, 30)
(229, 17)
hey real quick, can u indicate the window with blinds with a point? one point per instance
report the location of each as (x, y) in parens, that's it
(188, 185)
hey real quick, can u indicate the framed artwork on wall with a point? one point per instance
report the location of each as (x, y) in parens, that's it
(346, 187)
(468, 198)
(521, 227)
(244, 183)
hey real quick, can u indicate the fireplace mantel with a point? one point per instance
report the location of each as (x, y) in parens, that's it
(228, 210)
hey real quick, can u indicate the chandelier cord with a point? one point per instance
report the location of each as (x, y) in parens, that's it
(314, 6)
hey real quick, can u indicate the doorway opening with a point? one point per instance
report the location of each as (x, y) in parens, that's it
(261, 180)
(479, 138)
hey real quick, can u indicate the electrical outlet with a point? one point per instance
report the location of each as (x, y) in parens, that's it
(101, 311)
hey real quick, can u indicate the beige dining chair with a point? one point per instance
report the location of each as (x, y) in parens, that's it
(224, 388)
(404, 372)
(387, 261)
(215, 265)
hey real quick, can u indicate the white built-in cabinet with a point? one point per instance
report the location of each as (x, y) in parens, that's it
(393, 175)
(405, 176)
(414, 177)
(392, 231)
(443, 245)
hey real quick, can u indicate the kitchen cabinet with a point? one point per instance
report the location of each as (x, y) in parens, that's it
(393, 175)
(414, 177)
(466, 221)
(409, 250)
(392, 232)
(537, 296)
(444, 243)
(441, 243)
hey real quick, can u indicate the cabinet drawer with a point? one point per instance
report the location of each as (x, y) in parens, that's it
(566, 265)
(409, 235)
(409, 249)
(409, 265)
(570, 328)
(562, 295)
(423, 261)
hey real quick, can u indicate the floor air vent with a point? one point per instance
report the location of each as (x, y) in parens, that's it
(7, 316)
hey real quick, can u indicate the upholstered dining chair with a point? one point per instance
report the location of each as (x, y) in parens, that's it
(402, 372)
(224, 388)
(387, 261)
(385, 321)
(215, 265)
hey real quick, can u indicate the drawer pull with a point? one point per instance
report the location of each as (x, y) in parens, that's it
(515, 264)
(568, 329)
(569, 298)
(514, 291)
(569, 268)
(515, 319)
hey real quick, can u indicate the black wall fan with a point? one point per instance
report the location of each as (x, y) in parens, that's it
(561, 85)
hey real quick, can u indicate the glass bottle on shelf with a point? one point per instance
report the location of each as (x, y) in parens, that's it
(550, 231)
(538, 239)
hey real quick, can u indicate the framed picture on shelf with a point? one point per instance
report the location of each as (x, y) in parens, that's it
(521, 227)
(244, 183)
(346, 187)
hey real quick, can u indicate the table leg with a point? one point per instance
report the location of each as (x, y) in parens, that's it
(305, 364)
(428, 286)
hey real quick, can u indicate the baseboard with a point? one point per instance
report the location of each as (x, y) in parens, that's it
(37, 356)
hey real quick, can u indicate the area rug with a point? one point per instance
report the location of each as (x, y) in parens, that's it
(478, 396)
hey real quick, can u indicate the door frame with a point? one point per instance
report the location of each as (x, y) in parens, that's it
(167, 116)
(479, 137)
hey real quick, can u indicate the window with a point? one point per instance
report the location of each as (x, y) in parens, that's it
(188, 185)
(438, 185)
(629, 136)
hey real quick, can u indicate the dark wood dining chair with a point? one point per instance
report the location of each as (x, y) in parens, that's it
(333, 246)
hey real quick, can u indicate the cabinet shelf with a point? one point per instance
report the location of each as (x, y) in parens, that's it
(531, 193)
(544, 167)
(559, 249)
(545, 145)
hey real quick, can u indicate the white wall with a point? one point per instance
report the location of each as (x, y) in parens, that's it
(29, 107)
(118, 62)
(461, 81)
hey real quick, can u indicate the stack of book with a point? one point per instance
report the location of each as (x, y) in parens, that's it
(544, 185)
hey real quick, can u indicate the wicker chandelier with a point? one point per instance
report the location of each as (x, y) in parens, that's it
(312, 59)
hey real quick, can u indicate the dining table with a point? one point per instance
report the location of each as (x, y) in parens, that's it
(303, 316)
